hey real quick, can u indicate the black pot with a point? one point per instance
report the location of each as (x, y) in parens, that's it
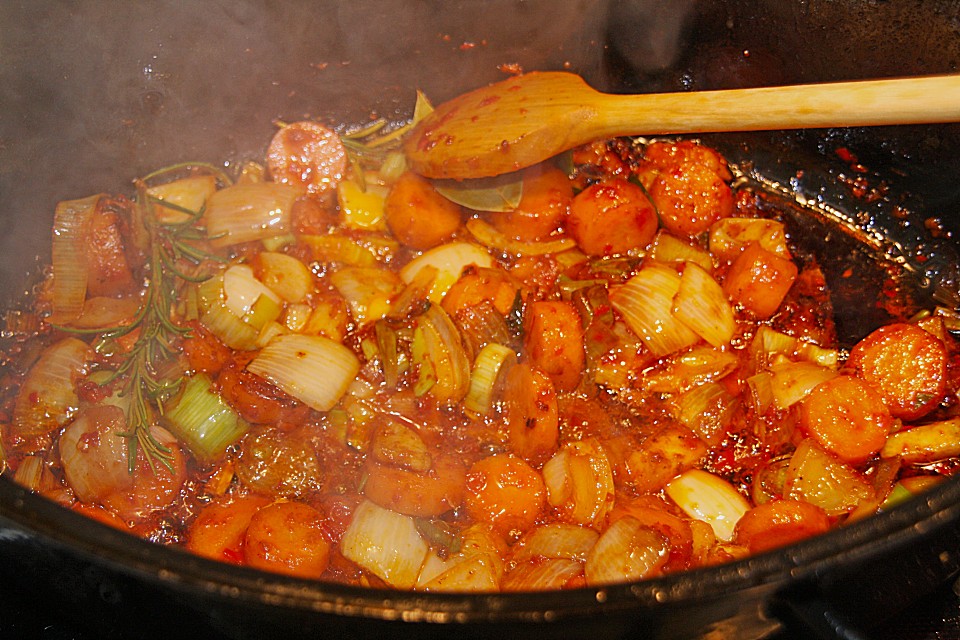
(95, 93)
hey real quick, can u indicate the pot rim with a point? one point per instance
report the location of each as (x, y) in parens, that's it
(172, 566)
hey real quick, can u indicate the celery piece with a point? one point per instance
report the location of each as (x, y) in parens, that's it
(202, 421)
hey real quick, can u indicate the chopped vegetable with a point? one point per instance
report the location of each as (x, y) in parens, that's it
(313, 369)
(618, 369)
(201, 420)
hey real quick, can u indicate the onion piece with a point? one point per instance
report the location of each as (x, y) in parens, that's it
(490, 237)
(817, 477)
(286, 276)
(645, 301)
(47, 398)
(438, 350)
(30, 473)
(249, 211)
(555, 541)
(925, 443)
(791, 381)
(385, 543)
(707, 497)
(768, 344)
(449, 260)
(34, 474)
(475, 574)
(477, 565)
(730, 236)
(542, 575)
(700, 364)
(579, 481)
(398, 445)
(202, 421)
(625, 552)
(493, 359)
(702, 305)
(69, 256)
(708, 411)
(369, 291)
(362, 208)
(186, 193)
(93, 452)
(312, 369)
(669, 248)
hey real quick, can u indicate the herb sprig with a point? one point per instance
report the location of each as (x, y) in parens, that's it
(174, 256)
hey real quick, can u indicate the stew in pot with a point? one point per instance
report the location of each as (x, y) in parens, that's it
(608, 367)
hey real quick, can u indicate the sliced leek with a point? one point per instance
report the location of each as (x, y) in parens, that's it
(702, 305)
(490, 237)
(487, 368)
(705, 496)
(202, 421)
(925, 443)
(385, 543)
(249, 212)
(645, 301)
(313, 369)
(449, 260)
(69, 262)
(438, 350)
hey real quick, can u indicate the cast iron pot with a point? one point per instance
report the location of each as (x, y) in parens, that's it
(96, 93)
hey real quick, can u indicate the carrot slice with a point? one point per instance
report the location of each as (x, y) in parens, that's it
(287, 537)
(505, 492)
(759, 280)
(481, 284)
(219, 529)
(553, 341)
(907, 364)
(547, 192)
(847, 417)
(307, 154)
(418, 215)
(778, 523)
(532, 413)
(612, 217)
(689, 187)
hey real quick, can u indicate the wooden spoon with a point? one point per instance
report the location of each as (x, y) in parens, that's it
(528, 118)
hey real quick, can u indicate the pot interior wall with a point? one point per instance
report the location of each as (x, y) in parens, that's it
(97, 93)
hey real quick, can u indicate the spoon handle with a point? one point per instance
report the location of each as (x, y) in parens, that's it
(843, 104)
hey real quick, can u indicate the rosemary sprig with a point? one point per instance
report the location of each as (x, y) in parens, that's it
(172, 259)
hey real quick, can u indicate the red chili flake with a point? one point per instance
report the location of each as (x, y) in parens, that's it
(847, 273)
(466, 46)
(845, 154)
(511, 68)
